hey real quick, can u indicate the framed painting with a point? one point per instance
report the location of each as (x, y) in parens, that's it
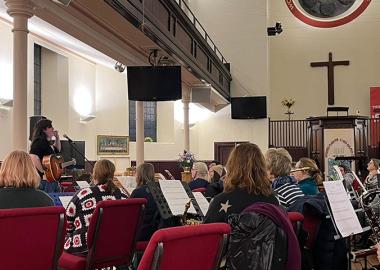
(112, 145)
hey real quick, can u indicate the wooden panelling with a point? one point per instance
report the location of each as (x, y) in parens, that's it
(201, 57)
(162, 14)
(183, 38)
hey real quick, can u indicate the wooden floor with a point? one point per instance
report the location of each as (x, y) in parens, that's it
(359, 265)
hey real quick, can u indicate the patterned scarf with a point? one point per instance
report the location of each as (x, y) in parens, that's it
(282, 180)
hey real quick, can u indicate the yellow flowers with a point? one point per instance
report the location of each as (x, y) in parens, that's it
(288, 102)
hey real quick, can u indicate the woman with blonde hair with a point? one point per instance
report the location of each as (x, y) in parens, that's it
(308, 176)
(144, 175)
(83, 203)
(19, 181)
(199, 174)
(246, 183)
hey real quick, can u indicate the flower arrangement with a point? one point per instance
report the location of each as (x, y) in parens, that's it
(148, 139)
(186, 159)
(288, 102)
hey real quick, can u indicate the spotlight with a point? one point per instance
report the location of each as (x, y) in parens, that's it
(277, 29)
(119, 67)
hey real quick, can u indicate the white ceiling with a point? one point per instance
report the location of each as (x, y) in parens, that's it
(56, 36)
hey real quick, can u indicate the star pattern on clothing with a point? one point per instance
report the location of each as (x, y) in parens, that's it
(224, 206)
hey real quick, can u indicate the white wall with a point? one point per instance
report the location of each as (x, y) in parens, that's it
(6, 82)
(299, 44)
(238, 29)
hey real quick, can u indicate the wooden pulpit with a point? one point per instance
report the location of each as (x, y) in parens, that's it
(337, 136)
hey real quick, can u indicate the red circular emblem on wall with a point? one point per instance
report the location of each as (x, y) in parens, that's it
(327, 14)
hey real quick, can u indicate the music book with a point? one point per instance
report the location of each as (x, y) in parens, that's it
(176, 197)
(202, 202)
(65, 200)
(343, 212)
(128, 182)
(83, 184)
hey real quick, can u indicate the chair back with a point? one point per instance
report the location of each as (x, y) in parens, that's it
(32, 238)
(112, 232)
(202, 190)
(186, 248)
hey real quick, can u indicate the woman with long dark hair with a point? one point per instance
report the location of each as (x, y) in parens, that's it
(144, 175)
(43, 145)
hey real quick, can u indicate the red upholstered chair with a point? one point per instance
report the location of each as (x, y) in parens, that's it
(186, 247)
(111, 236)
(202, 189)
(296, 219)
(31, 238)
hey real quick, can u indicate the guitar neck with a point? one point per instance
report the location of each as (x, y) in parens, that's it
(67, 163)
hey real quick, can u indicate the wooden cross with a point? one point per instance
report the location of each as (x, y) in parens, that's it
(330, 74)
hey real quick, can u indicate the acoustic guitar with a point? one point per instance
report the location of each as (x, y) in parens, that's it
(54, 165)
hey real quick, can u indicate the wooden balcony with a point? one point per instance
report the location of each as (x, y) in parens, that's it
(175, 29)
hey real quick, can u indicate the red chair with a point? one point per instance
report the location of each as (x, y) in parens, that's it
(32, 238)
(202, 190)
(296, 219)
(111, 236)
(186, 248)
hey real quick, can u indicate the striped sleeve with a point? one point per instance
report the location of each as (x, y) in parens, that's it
(288, 194)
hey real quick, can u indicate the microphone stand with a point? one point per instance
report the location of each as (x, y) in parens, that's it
(83, 156)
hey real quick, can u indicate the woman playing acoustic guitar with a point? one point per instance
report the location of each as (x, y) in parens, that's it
(43, 145)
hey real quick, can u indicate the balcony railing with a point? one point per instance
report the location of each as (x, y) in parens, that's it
(185, 8)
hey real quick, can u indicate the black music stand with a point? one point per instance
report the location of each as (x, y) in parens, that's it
(162, 204)
(347, 239)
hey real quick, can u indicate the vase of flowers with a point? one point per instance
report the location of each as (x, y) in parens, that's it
(186, 160)
(288, 103)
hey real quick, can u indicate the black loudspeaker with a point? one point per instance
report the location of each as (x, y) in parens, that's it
(249, 107)
(32, 122)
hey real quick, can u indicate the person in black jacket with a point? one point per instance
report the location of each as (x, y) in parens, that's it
(246, 183)
(43, 145)
(145, 174)
(216, 184)
(18, 183)
(199, 173)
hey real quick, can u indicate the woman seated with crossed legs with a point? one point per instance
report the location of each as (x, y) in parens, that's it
(83, 203)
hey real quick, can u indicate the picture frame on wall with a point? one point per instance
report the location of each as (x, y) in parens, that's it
(112, 145)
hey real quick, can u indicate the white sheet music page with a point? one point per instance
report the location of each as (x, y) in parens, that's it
(176, 196)
(344, 214)
(65, 200)
(83, 184)
(127, 181)
(202, 202)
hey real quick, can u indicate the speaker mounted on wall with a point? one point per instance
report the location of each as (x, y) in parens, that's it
(249, 107)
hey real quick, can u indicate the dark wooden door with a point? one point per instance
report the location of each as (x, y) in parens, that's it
(222, 150)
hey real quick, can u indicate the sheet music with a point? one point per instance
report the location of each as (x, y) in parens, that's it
(202, 202)
(83, 184)
(65, 200)
(176, 196)
(344, 214)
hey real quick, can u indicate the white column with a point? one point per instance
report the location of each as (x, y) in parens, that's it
(139, 133)
(21, 11)
(186, 127)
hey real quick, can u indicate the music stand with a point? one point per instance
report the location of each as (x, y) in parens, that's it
(162, 204)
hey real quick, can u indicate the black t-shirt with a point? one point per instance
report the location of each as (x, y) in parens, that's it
(233, 202)
(23, 198)
(41, 147)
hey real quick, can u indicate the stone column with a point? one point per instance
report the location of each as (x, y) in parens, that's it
(139, 133)
(21, 11)
(186, 93)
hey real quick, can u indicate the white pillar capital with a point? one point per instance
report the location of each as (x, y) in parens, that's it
(19, 8)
